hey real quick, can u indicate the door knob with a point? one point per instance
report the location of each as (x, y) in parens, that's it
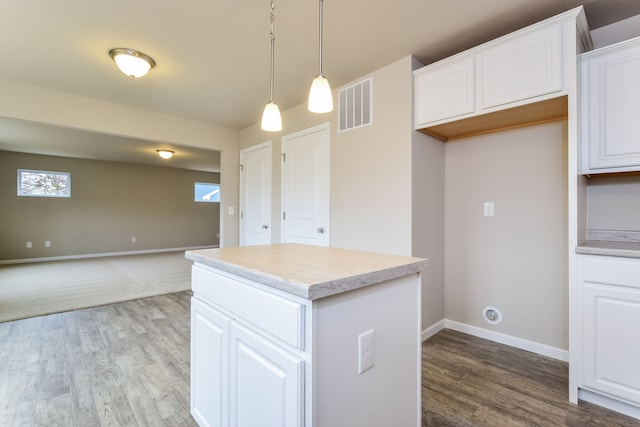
(321, 230)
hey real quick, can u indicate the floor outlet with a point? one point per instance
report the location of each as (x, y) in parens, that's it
(366, 350)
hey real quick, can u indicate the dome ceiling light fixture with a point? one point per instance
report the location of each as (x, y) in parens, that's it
(131, 62)
(165, 154)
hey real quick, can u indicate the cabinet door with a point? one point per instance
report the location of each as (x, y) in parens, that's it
(444, 91)
(613, 127)
(611, 344)
(266, 382)
(522, 67)
(209, 359)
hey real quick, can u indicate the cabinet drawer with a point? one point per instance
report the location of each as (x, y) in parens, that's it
(275, 315)
(608, 271)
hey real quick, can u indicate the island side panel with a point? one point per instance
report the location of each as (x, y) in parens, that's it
(387, 394)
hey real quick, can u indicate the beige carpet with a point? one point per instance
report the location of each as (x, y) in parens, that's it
(35, 289)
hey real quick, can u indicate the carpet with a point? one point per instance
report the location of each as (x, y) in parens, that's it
(36, 289)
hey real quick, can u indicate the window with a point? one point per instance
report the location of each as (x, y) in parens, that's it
(43, 183)
(207, 192)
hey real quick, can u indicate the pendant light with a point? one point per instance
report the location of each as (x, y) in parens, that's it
(271, 119)
(320, 97)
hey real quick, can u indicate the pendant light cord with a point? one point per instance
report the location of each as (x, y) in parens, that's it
(273, 40)
(320, 3)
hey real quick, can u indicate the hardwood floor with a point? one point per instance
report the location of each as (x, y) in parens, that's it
(127, 364)
(124, 364)
(468, 381)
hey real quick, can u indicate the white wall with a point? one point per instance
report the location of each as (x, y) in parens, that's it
(370, 166)
(61, 109)
(386, 180)
(516, 260)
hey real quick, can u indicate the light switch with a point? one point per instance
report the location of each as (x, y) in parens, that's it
(489, 209)
(231, 210)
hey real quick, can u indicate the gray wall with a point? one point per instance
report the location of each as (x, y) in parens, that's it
(31, 103)
(613, 202)
(517, 259)
(110, 203)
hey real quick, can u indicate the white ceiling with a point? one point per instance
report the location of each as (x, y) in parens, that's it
(213, 55)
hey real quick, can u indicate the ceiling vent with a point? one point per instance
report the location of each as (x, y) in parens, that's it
(354, 108)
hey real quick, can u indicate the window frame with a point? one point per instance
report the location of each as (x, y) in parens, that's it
(20, 193)
(195, 185)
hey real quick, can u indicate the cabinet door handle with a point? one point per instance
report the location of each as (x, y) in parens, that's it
(321, 230)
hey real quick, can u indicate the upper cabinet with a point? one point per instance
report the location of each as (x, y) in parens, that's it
(610, 110)
(516, 80)
(522, 67)
(446, 90)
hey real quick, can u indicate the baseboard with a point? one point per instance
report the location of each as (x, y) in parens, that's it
(101, 255)
(433, 329)
(523, 344)
(609, 403)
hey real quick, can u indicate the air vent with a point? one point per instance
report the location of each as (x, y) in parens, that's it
(355, 105)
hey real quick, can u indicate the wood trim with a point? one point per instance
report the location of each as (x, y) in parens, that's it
(550, 110)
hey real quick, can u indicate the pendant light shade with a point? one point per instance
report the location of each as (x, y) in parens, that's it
(131, 62)
(320, 96)
(271, 119)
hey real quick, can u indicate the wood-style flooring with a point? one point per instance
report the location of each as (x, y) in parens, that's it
(469, 381)
(124, 364)
(127, 364)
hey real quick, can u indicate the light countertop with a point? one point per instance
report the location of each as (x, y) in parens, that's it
(610, 248)
(310, 272)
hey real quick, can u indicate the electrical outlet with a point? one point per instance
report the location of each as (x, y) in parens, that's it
(47, 244)
(133, 240)
(366, 350)
(29, 245)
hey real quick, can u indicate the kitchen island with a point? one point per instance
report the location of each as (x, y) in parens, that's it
(297, 335)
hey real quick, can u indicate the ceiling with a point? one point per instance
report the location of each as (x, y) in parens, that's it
(212, 56)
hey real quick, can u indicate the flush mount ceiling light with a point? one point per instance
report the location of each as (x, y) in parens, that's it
(271, 119)
(320, 97)
(165, 154)
(131, 62)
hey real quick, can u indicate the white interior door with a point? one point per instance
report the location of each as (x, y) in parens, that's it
(255, 195)
(305, 186)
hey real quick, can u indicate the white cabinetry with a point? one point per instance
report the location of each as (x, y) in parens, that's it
(445, 90)
(209, 355)
(522, 67)
(610, 315)
(521, 75)
(266, 381)
(610, 108)
(264, 356)
(517, 67)
(231, 355)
